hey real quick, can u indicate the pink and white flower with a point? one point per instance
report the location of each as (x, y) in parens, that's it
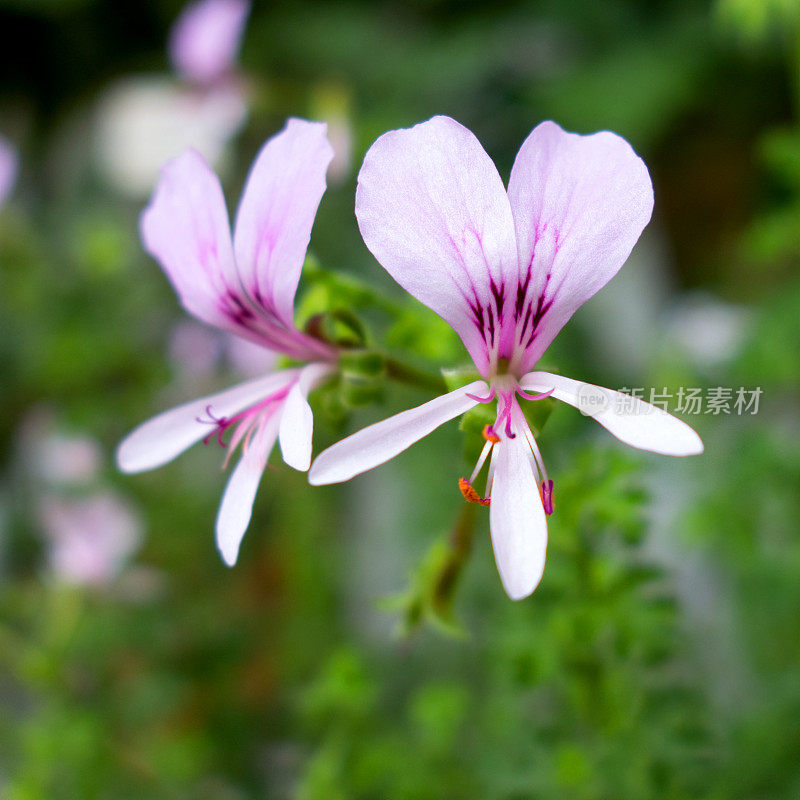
(205, 39)
(506, 269)
(245, 285)
(8, 169)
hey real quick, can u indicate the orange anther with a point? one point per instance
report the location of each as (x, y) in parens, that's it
(470, 495)
(490, 435)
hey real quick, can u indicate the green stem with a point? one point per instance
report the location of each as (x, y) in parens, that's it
(460, 544)
(412, 376)
(794, 68)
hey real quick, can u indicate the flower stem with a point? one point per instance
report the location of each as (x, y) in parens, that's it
(460, 547)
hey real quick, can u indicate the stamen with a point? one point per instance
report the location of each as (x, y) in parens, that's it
(244, 428)
(481, 460)
(483, 399)
(490, 435)
(218, 433)
(505, 416)
(537, 456)
(470, 495)
(546, 493)
(490, 479)
(527, 396)
(221, 424)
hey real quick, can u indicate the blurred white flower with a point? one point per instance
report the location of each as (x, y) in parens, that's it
(8, 169)
(340, 134)
(205, 39)
(89, 539)
(708, 330)
(332, 102)
(143, 122)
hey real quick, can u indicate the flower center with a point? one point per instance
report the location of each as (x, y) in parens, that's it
(510, 420)
(248, 423)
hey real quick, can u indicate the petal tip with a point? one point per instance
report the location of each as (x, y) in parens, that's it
(518, 594)
(228, 542)
(229, 556)
(522, 585)
(316, 475)
(296, 461)
(697, 447)
(126, 460)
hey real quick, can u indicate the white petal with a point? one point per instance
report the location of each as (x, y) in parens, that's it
(297, 419)
(631, 420)
(517, 519)
(237, 502)
(160, 439)
(384, 440)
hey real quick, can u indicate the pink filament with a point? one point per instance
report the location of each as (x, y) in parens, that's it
(221, 424)
(505, 416)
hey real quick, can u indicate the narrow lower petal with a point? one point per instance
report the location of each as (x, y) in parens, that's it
(273, 224)
(631, 420)
(159, 440)
(297, 420)
(517, 519)
(580, 203)
(240, 493)
(433, 210)
(384, 440)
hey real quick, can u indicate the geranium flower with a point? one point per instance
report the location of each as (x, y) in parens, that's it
(506, 270)
(245, 285)
(8, 169)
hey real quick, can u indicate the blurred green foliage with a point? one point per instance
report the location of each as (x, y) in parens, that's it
(363, 646)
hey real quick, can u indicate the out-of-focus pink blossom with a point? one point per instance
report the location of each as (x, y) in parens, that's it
(194, 349)
(89, 539)
(9, 164)
(248, 359)
(56, 457)
(205, 39)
